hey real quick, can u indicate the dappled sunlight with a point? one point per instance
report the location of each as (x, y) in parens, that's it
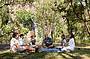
(56, 20)
(79, 54)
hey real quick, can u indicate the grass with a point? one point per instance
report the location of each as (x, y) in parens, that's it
(77, 54)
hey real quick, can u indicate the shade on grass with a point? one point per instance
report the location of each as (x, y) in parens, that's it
(77, 54)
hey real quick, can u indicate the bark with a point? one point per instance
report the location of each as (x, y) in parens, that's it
(84, 20)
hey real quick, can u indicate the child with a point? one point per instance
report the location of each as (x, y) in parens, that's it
(63, 41)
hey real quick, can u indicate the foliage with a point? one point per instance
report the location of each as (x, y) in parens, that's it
(25, 18)
(50, 16)
(24, 30)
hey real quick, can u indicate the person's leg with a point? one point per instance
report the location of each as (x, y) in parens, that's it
(50, 46)
(43, 49)
(37, 48)
(69, 49)
(54, 50)
(64, 49)
(13, 49)
(21, 49)
(31, 49)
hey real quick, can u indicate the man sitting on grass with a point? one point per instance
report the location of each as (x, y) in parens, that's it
(48, 42)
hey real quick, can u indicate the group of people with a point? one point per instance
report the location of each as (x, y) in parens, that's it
(68, 45)
(20, 42)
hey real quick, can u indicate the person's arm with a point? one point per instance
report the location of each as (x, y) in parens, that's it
(43, 43)
(16, 44)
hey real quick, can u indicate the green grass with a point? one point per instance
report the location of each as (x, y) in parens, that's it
(77, 54)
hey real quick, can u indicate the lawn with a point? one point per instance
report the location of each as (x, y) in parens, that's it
(77, 54)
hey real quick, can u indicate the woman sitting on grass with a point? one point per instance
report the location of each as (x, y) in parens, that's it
(71, 44)
(63, 41)
(15, 44)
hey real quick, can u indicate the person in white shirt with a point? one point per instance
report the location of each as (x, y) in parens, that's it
(21, 40)
(71, 44)
(63, 41)
(14, 42)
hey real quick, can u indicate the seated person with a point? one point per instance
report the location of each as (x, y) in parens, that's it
(30, 38)
(63, 42)
(15, 45)
(21, 40)
(48, 42)
(71, 44)
(33, 40)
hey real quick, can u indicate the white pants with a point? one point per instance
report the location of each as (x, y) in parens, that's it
(14, 49)
(67, 48)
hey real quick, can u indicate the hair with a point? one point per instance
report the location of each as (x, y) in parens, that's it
(72, 36)
(63, 36)
(61, 31)
(21, 35)
(32, 36)
(14, 35)
(46, 35)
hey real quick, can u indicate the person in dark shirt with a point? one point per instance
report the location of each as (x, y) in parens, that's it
(33, 40)
(47, 42)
